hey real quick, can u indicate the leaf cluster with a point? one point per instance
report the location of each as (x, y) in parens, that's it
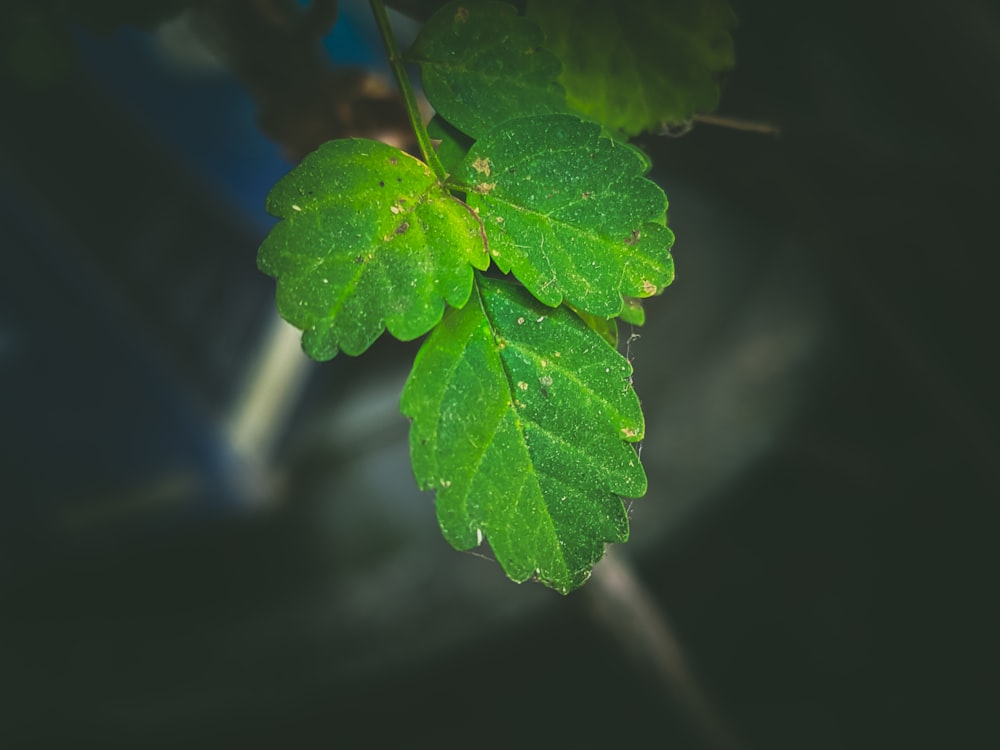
(523, 412)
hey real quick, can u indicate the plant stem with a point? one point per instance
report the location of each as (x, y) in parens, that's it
(738, 123)
(409, 98)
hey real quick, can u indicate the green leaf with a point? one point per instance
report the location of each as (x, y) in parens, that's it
(370, 241)
(570, 212)
(522, 419)
(481, 64)
(638, 65)
(633, 312)
(453, 144)
(606, 328)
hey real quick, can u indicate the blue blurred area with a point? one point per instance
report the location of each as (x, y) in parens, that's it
(92, 412)
(204, 115)
(130, 303)
(206, 118)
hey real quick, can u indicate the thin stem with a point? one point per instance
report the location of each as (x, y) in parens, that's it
(409, 98)
(738, 123)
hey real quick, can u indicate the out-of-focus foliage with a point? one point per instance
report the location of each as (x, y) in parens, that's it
(636, 65)
(482, 63)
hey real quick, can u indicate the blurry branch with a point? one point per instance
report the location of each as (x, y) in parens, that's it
(738, 123)
(275, 48)
(676, 130)
(629, 612)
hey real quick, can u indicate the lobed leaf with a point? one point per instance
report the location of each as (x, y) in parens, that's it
(522, 419)
(638, 65)
(570, 212)
(370, 240)
(481, 63)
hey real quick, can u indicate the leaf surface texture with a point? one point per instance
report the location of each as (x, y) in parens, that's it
(369, 241)
(570, 212)
(522, 419)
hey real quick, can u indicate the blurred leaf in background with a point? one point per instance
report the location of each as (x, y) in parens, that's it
(641, 64)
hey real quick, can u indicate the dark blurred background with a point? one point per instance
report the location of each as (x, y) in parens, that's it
(206, 540)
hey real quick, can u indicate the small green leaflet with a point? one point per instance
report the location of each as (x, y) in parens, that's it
(370, 241)
(638, 65)
(633, 312)
(452, 144)
(570, 212)
(522, 422)
(481, 63)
